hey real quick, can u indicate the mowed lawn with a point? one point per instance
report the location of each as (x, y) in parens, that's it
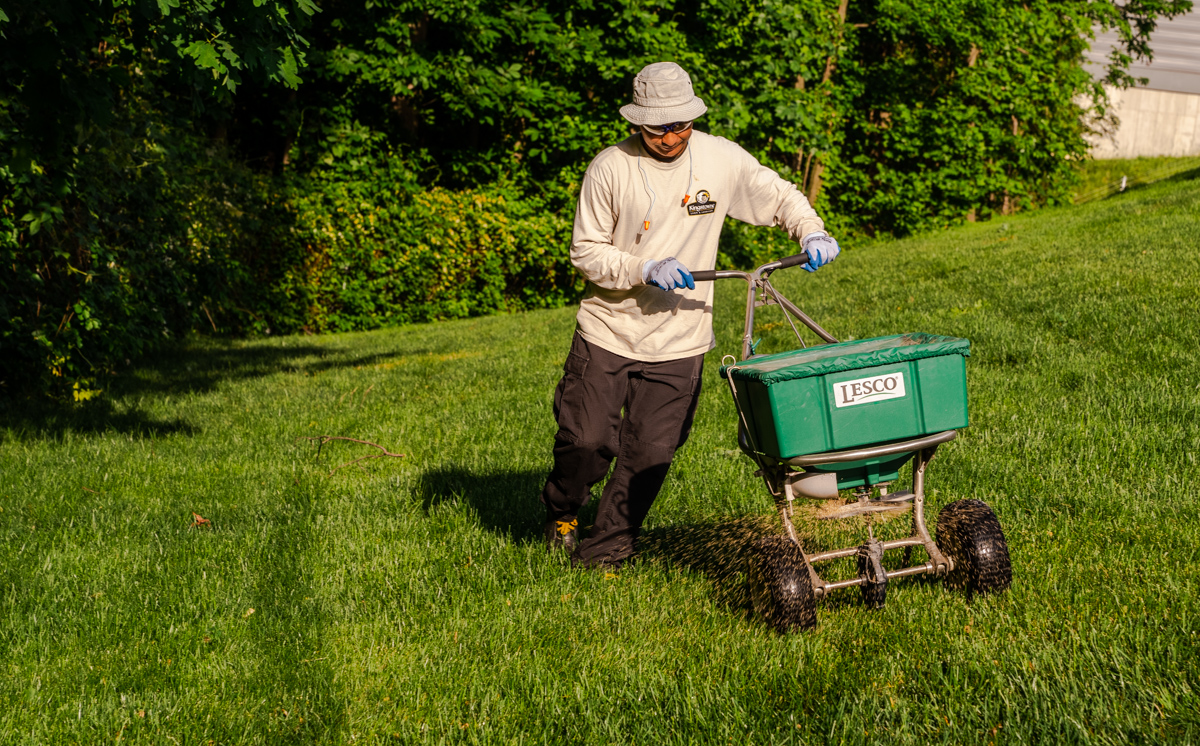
(412, 601)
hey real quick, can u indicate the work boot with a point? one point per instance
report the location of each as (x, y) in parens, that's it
(562, 534)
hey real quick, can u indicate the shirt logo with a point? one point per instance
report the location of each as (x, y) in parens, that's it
(703, 205)
(864, 390)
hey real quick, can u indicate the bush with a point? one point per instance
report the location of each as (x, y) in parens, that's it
(337, 262)
(157, 243)
(108, 272)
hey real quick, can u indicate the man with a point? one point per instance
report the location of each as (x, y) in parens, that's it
(650, 208)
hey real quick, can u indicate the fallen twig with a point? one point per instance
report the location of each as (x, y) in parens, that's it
(321, 440)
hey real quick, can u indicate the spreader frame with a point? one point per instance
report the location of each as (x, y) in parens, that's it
(781, 475)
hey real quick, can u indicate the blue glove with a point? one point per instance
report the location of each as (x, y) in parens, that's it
(821, 250)
(667, 274)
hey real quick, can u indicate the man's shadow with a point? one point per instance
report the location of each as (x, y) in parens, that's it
(720, 551)
(507, 504)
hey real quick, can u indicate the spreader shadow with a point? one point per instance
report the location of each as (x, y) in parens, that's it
(506, 502)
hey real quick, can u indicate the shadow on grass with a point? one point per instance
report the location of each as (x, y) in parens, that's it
(52, 419)
(719, 551)
(201, 367)
(182, 369)
(506, 502)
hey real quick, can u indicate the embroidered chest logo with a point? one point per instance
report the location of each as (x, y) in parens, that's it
(703, 205)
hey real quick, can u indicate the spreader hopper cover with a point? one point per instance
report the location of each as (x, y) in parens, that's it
(852, 394)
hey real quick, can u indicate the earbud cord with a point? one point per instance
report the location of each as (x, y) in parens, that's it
(691, 165)
(654, 197)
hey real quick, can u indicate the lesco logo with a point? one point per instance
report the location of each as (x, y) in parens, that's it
(866, 390)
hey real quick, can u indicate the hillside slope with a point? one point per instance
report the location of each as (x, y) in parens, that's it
(410, 600)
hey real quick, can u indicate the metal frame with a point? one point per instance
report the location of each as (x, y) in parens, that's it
(923, 450)
(778, 474)
(758, 282)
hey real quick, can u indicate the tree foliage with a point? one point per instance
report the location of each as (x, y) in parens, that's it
(254, 165)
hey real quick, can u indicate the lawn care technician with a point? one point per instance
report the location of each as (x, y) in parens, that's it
(650, 208)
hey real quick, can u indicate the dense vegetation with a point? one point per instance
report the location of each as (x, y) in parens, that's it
(268, 165)
(412, 602)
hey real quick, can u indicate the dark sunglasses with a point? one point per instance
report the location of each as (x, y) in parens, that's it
(659, 131)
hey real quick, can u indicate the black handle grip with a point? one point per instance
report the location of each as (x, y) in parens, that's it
(707, 275)
(794, 260)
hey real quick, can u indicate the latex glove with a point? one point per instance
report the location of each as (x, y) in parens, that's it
(821, 250)
(667, 274)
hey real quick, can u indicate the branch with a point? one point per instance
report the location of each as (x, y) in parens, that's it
(321, 440)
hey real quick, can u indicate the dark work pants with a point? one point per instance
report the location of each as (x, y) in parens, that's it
(659, 402)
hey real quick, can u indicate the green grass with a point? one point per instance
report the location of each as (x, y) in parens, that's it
(1099, 179)
(411, 601)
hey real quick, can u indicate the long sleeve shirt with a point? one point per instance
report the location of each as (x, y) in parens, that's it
(610, 243)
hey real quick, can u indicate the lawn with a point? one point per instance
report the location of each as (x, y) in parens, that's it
(410, 600)
(1101, 179)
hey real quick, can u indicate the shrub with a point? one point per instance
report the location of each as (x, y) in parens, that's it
(337, 263)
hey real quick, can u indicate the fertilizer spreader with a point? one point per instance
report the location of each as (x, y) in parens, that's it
(837, 422)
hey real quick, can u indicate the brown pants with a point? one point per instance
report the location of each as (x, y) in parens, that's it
(659, 403)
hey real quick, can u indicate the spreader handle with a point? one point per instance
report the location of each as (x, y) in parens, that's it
(707, 275)
(794, 260)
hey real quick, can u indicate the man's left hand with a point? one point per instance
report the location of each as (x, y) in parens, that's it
(822, 249)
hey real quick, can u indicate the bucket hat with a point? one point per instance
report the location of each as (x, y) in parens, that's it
(662, 94)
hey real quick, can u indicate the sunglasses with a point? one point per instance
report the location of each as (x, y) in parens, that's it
(659, 131)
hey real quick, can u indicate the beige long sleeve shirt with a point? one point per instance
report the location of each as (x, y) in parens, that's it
(610, 244)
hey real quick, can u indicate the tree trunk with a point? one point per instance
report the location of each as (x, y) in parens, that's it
(814, 182)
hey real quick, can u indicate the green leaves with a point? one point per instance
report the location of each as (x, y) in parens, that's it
(912, 115)
(205, 55)
(44, 214)
(288, 69)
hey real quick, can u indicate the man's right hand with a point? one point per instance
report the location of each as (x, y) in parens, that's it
(822, 249)
(667, 274)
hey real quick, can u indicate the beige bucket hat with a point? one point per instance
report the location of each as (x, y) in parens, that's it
(662, 94)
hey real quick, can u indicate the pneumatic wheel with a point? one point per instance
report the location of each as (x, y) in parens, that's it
(969, 533)
(779, 585)
(874, 588)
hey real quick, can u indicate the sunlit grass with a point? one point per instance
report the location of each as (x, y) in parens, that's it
(411, 601)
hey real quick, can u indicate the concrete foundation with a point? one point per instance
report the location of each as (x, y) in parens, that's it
(1152, 123)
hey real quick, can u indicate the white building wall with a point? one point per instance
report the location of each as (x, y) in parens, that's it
(1162, 118)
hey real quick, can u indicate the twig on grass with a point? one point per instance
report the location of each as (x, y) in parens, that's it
(321, 440)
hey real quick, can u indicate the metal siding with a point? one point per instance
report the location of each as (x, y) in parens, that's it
(1176, 46)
